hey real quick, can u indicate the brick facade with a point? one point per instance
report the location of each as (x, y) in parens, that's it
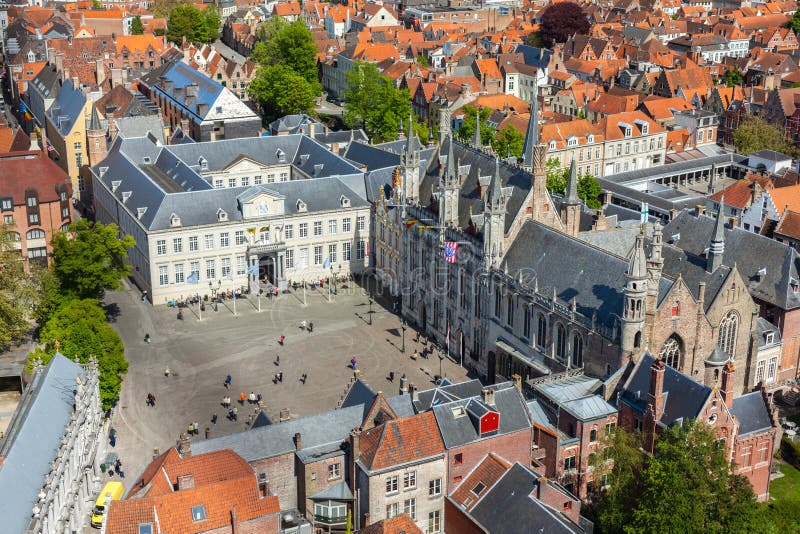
(515, 447)
(281, 479)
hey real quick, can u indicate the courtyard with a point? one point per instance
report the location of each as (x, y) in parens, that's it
(201, 353)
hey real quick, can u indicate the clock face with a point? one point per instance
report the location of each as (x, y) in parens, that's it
(262, 207)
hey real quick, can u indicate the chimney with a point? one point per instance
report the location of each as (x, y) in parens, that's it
(185, 126)
(101, 71)
(189, 101)
(298, 441)
(699, 209)
(517, 380)
(185, 482)
(412, 390)
(727, 384)
(167, 85)
(184, 446)
(202, 109)
(34, 142)
(192, 90)
(116, 77)
(283, 415)
(403, 384)
(655, 403)
(178, 93)
(487, 395)
(732, 222)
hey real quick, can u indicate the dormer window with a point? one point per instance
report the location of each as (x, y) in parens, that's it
(458, 411)
(344, 201)
(146, 160)
(115, 184)
(174, 220)
(301, 206)
(626, 128)
(643, 126)
(769, 337)
(140, 212)
(572, 141)
(125, 196)
(203, 162)
(281, 155)
(222, 215)
(552, 145)
(590, 138)
(761, 274)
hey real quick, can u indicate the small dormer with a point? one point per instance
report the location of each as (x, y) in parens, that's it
(140, 212)
(125, 196)
(769, 337)
(114, 184)
(222, 215)
(590, 138)
(552, 144)
(103, 171)
(301, 206)
(627, 129)
(203, 163)
(572, 141)
(344, 201)
(761, 274)
(794, 284)
(643, 126)
(174, 220)
(281, 156)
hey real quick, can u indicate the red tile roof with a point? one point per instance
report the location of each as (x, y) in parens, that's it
(396, 525)
(401, 441)
(23, 170)
(488, 472)
(789, 225)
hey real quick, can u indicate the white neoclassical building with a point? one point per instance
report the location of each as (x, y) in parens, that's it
(209, 216)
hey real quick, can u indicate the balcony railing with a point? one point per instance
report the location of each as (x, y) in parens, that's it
(325, 520)
(266, 248)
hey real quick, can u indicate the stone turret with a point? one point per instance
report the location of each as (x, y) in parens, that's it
(96, 139)
(409, 165)
(494, 214)
(634, 301)
(571, 204)
(716, 249)
(449, 190)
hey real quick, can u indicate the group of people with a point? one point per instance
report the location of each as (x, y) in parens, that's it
(150, 400)
(117, 468)
(307, 326)
(194, 429)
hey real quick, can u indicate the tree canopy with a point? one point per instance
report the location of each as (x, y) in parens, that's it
(561, 20)
(137, 28)
(687, 486)
(588, 187)
(197, 26)
(79, 328)
(794, 23)
(91, 259)
(287, 80)
(732, 78)
(508, 140)
(756, 134)
(18, 291)
(374, 104)
(466, 131)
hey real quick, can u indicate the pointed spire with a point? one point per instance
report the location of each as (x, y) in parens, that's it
(451, 173)
(532, 135)
(637, 264)
(476, 140)
(94, 122)
(716, 249)
(571, 196)
(410, 145)
(494, 198)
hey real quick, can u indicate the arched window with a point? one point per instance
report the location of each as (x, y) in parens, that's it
(510, 311)
(577, 350)
(560, 346)
(541, 330)
(637, 340)
(35, 234)
(14, 236)
(671, 352)
(727, 333)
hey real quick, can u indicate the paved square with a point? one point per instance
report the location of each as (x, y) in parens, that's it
(201, 353)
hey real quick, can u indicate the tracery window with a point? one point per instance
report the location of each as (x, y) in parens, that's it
(728, 328)
(671, 352)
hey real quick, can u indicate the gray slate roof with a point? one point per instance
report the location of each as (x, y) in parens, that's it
(68, 104)
(457, 431)
(750, 252)
(140, 126)
(751, 412)
(683, 397)
(33, 438)
(765, 326)
(593, 277)
(508, 508)
(317, 430)
(451, 392)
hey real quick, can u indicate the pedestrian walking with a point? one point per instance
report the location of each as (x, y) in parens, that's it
(303, 378)
(391, 376)
(196, 428)
(242, 398)
(277, 359)
(353, 363)
(235, 413)
(415, 355)
(252, 398)
(281, 339)
(228, 382)
(191, 428)
(230, 414)
(310, 327)
(167, 372)
(303, 325)
(258, 397)
(214, 419)
(280, 377)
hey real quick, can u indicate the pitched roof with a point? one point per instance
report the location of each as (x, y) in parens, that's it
(784, 197)
(752, 413)
(487, 472)
(789, 224)
(401, 524)
(401, 441)
(20, 171)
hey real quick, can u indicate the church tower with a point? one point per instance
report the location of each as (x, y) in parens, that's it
(571, 204)
(635, 294)
(534, 160)
(409, 166)
(716, 249)
(449, 190)
(444, 124)
(655, 263)
(96, 139)
(494, 216)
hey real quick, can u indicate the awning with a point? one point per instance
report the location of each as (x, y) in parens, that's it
(539, 367)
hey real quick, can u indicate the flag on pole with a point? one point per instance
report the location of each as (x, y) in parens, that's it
(252, 270)
(410, 223)
(23, 108)
(450, 251)
(447, 337)
(327, 263)
(50, 147)
(193, 278)
(645, 212)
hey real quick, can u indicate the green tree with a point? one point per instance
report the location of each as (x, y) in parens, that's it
(162, 8)
(794, 23)
(188, 21)
(422, 60)
(291, 45)
(280, 91)
(96, 4)
(509, 139)
(466, 131)
(687, 486)
(91, 259)
(556, 176)
(79, 328)
(589, 191)
(756, 134)
(732, 78)
(137, 28)
(373, 103)
(18, 290)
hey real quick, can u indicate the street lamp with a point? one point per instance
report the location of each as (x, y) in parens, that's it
(369, 296)
(403, 329)
(441, 359)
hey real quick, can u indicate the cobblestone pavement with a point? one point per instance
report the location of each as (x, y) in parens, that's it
(200, 354)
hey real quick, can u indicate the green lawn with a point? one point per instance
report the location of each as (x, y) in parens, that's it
(783, 509)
